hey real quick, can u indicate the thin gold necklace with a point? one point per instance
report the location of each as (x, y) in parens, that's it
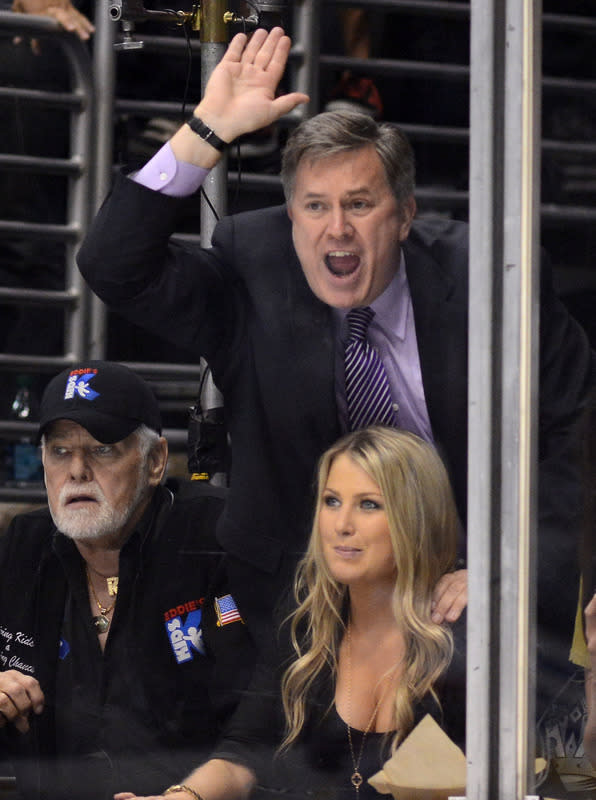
(111, 580)
(356, 778)
(101, 622)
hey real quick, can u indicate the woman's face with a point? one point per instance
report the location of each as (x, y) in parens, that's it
(353, 526)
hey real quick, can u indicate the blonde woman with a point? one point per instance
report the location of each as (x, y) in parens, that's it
(385, 531)
(366, 659)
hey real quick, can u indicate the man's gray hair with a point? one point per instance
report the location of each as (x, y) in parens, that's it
(147, 439)
(334, 132)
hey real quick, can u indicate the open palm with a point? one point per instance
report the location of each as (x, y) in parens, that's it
(241, 89)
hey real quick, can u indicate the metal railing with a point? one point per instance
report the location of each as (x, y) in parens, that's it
(77, 104)
(78, 167)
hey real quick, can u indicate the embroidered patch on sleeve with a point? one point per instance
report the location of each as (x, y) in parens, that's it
(226, 610)
(14, 647)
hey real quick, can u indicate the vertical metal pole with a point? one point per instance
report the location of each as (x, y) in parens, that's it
(306, 40)
(519, 425)
(79, 189)
(214, 38)
(484, 397)
(504, 206)
(104, 72)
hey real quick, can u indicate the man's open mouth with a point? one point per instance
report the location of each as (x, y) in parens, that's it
(80, 498)
(342, 263)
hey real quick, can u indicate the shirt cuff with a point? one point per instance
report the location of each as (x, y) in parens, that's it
(163, 173)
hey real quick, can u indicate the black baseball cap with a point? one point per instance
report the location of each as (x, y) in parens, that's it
(109, 400)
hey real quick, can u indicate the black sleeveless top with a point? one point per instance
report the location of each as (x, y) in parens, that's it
(320, 765)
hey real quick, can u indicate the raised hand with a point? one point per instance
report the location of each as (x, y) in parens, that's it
(240, 94)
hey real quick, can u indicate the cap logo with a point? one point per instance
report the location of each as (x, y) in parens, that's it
(78, 383)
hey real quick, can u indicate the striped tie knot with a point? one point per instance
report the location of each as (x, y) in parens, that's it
(359, 320)
(368, 394)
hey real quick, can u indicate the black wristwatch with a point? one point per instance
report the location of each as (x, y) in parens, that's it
(198, 126)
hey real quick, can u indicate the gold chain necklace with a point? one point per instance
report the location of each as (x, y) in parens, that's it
(101, 622)
(111, 580)
(356, 778)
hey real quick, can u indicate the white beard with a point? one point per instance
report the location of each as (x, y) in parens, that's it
(102, 519)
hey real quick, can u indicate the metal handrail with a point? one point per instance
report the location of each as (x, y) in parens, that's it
(79, 104)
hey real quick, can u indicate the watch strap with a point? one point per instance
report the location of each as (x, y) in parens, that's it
(204, 131)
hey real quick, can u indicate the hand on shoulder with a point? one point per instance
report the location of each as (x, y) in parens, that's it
(450, 596)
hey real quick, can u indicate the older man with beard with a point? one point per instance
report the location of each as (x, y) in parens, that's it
(121, 648)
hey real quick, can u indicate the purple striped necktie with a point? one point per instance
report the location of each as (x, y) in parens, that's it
(367, 387)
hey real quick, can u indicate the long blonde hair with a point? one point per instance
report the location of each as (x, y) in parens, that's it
(423, 525)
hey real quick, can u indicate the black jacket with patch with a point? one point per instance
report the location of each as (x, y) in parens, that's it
(174, 568)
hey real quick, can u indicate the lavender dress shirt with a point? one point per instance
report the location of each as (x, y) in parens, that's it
(165, 174)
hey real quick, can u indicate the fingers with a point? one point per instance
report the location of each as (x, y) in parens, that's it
(69, 17)
(240, 96)
(275, 54)
(287, 102)
(129, 795)
(275, 48)
(19, 695)
(72, 20)
(260, 47)
(590, 612)
(272, 54)
(235, 48)
(450, 597)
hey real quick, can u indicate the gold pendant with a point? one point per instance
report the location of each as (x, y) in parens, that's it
(112, 586)
(356, 780)
(101, 623)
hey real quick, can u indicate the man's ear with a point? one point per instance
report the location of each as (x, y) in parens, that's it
(157, 461)
(408, 212)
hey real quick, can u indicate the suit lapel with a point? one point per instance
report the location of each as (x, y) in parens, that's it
(313, 350)
(430, 290)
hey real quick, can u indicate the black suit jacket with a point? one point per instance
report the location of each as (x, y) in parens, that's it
(245, 306)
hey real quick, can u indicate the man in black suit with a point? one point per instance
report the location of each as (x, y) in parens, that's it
(266, 306)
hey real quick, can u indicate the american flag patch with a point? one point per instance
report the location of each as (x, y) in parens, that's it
(226, 610)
